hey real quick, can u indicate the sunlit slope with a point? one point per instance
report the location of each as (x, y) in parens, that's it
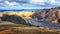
(25, 14)
(22, 14)
(1, 14)
(11, 13)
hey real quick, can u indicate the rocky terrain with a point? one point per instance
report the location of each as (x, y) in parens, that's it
(14, 24)
(25, 29)
(16, 27)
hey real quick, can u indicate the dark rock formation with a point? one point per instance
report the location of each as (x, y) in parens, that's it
(13, 18)
(58, 20)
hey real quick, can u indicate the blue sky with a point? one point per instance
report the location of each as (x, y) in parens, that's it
(48, 1)
(38, 2)
(52, 2)
(30, 4)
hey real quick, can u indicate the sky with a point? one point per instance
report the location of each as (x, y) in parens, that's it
(36, 1)
(31, 4)
(48, 1)
(53, 2)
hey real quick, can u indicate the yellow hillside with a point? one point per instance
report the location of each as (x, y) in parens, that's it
(25, 14)
(22, 14)
(11, 13)
(1, 14)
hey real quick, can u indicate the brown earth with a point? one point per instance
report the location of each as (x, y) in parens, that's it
(17, 29)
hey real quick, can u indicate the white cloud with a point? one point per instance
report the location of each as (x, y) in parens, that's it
(52, 1)
(37, 0)
(7, 2)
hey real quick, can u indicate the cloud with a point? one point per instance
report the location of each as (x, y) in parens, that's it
(52, 1)
(7, 2)
(37, 0)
